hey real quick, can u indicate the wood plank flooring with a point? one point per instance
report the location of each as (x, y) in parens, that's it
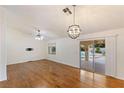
(48, 74)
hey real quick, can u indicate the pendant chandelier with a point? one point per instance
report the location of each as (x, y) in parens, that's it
(38, 35)
(74, 30)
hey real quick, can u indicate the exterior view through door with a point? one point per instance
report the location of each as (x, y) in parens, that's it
(92, 55)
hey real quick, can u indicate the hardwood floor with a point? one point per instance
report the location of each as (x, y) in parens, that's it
(49, 74)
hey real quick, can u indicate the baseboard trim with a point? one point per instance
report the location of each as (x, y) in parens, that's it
(63, 63)
(3, 79)
(121, 78)
(116, 76)
(25, 62)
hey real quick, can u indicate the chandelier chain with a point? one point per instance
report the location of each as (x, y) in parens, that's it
(74, 30)
(74, 14)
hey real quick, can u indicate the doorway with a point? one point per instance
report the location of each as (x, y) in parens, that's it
(92, 55)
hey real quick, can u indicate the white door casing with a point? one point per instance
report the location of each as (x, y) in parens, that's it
(111, 57)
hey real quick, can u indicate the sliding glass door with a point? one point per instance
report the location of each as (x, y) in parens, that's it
(93, 55)
(99, 56)
(87, 48)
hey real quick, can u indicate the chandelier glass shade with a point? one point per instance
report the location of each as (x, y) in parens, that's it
(74, 30)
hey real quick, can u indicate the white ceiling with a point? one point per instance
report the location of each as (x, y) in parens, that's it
(51, 19)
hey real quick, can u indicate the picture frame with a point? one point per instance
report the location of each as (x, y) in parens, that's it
(52, 48)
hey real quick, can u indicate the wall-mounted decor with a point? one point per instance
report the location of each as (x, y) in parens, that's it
(29, 49)
(52, 48)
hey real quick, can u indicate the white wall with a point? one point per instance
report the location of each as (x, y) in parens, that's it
(18, 41)
(120, 55)
(19, 37)
(14, 40)
(68, 50)
(2, 45)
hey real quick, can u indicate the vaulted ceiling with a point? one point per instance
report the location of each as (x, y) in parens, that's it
(53, 22)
